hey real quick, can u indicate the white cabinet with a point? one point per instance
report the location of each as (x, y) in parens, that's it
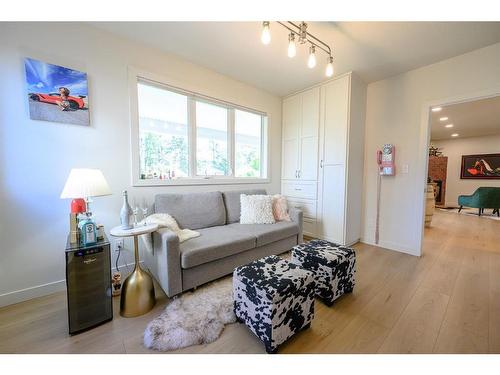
(332, 203)
(308, 161)
(300, 136)
(292, 118)
(301, 152)
(342, 128)
(322, 167)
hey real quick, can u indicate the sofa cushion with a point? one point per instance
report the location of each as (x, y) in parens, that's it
(267, 233)
(214, 243)
(193, 210)
(232, 202)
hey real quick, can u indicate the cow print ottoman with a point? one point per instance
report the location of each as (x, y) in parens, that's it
(274, 298)
(334, 267)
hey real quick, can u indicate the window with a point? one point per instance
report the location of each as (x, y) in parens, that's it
(163, 133)
(211, 140)
(248, 143)
(187, 138)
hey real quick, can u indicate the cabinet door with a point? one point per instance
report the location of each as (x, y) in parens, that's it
(335, 121)
(309, 131)
(331, 223)
(292, 115)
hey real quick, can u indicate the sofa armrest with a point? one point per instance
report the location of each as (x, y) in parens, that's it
(466, 200)
(167, 258)
(297, 216)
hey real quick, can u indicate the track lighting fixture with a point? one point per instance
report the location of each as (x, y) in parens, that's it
(329, 67)
(292, 48)
(266, 33)
(311, 61)
(303, 37)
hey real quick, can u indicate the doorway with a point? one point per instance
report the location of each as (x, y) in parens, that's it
(461, 168)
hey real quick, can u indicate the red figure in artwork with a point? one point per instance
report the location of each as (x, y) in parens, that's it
(481, 168)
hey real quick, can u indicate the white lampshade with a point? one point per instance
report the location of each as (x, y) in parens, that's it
(84, 183)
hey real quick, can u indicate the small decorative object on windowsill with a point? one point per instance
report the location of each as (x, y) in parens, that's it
(125, 213)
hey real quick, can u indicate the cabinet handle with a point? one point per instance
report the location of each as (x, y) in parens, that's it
(321, 163)
(300, 172)
(298, 189)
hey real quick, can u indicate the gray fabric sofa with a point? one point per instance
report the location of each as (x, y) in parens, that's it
(224, 243)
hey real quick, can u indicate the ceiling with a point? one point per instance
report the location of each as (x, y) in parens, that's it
(375, 50)
(471, 119)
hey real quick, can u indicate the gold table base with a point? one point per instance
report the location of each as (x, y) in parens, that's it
(138, 291)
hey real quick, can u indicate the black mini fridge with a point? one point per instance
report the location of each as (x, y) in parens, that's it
(88, 284)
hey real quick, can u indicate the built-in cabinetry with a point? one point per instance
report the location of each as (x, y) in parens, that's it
(322, 164)
(300, 153)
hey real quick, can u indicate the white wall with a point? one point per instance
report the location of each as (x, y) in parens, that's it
(454, 149)
(36, 156)
(394, 115)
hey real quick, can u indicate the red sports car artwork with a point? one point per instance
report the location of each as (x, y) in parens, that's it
(56, 93)
(54, 97)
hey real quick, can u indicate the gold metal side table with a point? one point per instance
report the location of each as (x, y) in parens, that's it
(138, 291)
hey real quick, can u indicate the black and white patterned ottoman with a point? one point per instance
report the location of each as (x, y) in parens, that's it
(334, 267)
(274, 298)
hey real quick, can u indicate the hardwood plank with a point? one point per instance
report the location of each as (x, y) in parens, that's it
(418, 327)
(361, 335)
(444, 272)
(494, 303)
(466, 323)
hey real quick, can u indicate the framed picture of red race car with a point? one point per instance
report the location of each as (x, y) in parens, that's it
(480, 167)
(56, 93)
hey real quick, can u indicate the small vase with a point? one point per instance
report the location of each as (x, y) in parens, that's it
(125, 212)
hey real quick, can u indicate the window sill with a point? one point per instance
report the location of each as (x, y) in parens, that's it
(201, 181)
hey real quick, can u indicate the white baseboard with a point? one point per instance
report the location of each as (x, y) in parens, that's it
(32, 292)
(36, 291)
(389, 245)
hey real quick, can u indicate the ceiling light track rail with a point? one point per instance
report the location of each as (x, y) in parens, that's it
(303, 37)
(307, 35)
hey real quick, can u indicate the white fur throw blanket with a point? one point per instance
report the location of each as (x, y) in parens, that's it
(166, 221)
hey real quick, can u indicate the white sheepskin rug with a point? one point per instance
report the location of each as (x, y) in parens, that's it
(194, 318)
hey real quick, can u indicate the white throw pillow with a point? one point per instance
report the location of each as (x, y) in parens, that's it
(256, 209)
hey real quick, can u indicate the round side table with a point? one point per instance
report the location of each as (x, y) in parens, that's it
(138, 291)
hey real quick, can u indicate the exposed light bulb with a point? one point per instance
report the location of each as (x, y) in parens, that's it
(266, 33)
(292, 49)
(329, 67)
(311, 62)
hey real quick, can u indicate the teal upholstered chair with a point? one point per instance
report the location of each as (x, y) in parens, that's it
(483, 197)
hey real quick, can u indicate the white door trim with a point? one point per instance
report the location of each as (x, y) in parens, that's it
(424, 141)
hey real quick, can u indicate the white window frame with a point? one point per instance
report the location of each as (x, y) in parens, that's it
(135, 75)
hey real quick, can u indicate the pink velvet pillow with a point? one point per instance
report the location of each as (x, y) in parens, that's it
(280, 208)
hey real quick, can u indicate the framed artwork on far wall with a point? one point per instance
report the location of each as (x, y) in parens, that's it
(480, 167)
(56, 93)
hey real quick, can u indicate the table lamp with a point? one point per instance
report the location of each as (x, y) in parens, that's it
(83, 184)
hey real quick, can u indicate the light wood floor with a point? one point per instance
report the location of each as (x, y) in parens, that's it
(447, 301)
